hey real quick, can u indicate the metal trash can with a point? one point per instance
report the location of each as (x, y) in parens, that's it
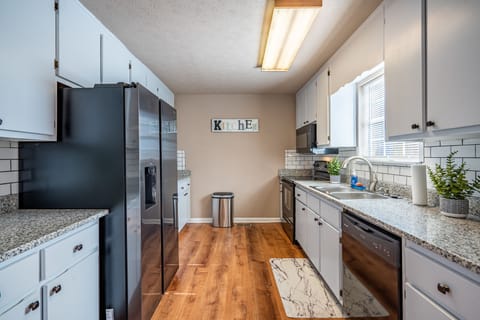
(222, 209)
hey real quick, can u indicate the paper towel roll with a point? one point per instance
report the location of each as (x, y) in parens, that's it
(419, 184)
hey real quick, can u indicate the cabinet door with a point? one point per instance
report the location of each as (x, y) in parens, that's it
(403, 67)
(453, 51)
(313, 240)
(331, 260)
(300, 108)
(343, 121)
(29, 308)
(139, 72)
(323, 109)
(182, 203)
(78, 44)
(74, 294)
(27, 84)
(115, 60)
(300, 223)
(418, 306)
(311, 103)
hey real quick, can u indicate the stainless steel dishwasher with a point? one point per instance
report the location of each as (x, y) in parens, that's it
(372, 268)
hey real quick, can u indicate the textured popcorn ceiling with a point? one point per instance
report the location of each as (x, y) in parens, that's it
(211, 46)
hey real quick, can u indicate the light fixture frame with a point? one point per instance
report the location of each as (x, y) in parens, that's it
(267, 19)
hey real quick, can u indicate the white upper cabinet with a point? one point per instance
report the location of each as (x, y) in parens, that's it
(343, 119)
(300, 108)
(453, 50)
(78, 44)
(306, 105)
(27, 84)
(139, 72)
(403, 67)
(311, 102)
(323, 109)
(115, 60)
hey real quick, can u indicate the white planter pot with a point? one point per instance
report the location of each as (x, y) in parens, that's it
(454, 208)
(334, 179)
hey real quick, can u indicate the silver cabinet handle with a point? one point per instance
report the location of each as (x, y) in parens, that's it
(32, 307)
(56, 289)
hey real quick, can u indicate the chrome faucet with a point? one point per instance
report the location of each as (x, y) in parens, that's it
(373, 175)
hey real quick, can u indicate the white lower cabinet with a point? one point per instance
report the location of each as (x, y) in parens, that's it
(317, 229)
(74, 294)
(29, 308)
(57, 280)
(331, 259)
(183, 202)
(419, 306)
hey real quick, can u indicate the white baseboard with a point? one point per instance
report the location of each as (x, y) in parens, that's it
(239, 220)
(200, 220)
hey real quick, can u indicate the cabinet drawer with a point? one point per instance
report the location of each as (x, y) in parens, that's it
(430, 277)
(64, 253)
(300, 195)
(330, 214)
(418, 306)
(313, 203)
(29, 308)
(17, 279)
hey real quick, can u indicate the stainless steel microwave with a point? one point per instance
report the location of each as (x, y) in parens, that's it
(307, 138)
(307, 141)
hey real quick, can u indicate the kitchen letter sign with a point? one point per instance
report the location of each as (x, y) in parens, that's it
(234, 125)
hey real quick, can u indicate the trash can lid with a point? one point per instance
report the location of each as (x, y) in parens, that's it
(222, 195)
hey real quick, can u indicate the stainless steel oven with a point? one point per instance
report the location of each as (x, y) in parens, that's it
(372, 269)
(288, 207)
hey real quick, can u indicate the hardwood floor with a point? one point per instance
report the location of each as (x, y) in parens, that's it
(225, 273)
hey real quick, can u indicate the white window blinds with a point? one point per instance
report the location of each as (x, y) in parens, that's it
(372, 125)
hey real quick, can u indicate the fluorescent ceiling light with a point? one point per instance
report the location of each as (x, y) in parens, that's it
(288, 28)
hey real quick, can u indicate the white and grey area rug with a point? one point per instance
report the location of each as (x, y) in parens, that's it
(304, 294)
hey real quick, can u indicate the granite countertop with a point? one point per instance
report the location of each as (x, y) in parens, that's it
(458, 240)
(22, 230)
(184, 173)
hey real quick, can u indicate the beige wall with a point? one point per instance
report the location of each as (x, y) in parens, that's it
(244, 163)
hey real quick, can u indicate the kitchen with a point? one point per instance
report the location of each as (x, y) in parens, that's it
(202, 62)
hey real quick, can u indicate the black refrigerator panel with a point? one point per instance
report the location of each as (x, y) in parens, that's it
(86, 169)
(168, 120)
(151, 224)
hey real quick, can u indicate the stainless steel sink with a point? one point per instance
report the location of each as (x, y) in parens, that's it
(332, 189)
(356, 195)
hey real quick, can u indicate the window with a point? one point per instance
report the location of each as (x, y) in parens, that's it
(372, 144)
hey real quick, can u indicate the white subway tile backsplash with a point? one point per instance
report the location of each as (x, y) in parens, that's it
(464, 151)
(440, 152)
(431, 143)
(472, 163)
(477, 153)
(471, 141)
(4, 189)
(4, 165)
(426, 152)
(470, 175)
(406, 171)
(8, 153)
(394, 170)
(14, 188)
(456, 142)
(431, 162)
(14, 165)
(387, 178)
(400, 180)
(8, 177)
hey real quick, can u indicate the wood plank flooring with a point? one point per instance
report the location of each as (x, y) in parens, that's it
(225, 273)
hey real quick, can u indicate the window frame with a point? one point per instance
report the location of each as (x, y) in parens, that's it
(362, 138)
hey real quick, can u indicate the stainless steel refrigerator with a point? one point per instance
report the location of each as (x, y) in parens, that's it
(115, 150)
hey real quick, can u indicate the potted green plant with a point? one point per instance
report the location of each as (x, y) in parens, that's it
(453, 187)
(333, 168)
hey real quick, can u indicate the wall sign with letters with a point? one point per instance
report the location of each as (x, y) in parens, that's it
(234, 125)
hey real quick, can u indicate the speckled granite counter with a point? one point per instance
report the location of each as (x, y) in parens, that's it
(183, 174)
(22, 230)
(456, 239)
